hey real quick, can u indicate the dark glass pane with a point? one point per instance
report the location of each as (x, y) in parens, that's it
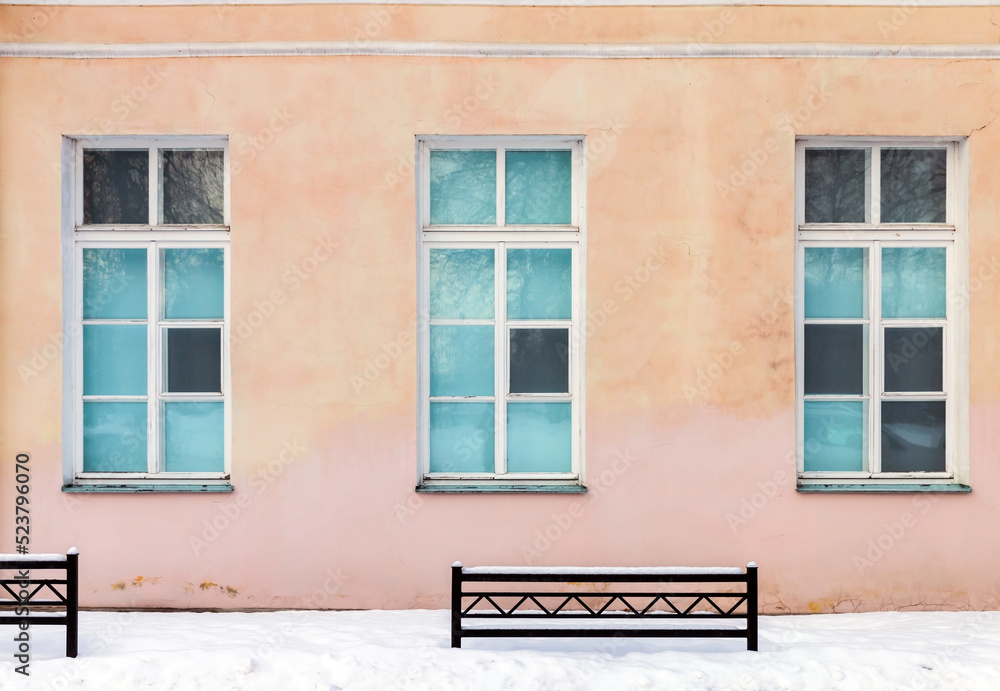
(914, 360)
(837, 185)
(193, 186)
(539, 360)
(834, 355)
(913, 436)
(115, 186)
(913, 185)
(194, 362)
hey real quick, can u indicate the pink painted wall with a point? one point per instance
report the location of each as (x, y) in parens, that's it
(688, 464)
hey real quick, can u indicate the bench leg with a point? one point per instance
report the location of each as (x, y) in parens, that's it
(456, 605)
(72, 602)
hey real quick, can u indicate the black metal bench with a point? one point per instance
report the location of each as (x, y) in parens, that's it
(51, 607)
(654, 602)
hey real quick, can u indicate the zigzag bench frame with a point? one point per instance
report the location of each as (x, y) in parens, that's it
(571, 607)
(37, 588)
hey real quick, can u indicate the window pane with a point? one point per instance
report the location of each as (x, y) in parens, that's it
(115, 186)
(913, 436)
(193, 282)
(834, 359)
(462, 284)
(834, 436)
(914, 185)
(835, 282)
(914, 359)
(114, 360)
(194, 437)
(191, 184)
(194, 360)
(114, 437)
(539, 284)
(114, 283)
(837, 184)
(462, 361)
(914, 284)
(539, 361)
(462, 438)
(463, 187)
(539, 187)
(539, 437)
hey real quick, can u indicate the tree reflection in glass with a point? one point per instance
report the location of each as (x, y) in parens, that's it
(115, 186)
(192, 186)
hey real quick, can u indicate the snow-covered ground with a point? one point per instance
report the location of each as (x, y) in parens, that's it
(387, 650)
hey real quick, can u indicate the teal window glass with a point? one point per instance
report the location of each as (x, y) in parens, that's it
(194, 437)
(914, 283)
(463, 187)
(539, 284)
(834, 436)
(539, 187)
(114, 360)
(462, 284)
(193, 283)
(462, 437)
(835, 282)
(114, 283)
(462, 360)
(539, 437)
(114, 437)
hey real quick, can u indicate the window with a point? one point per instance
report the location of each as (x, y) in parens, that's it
(148, 364)
(881, 335)
(501, 276)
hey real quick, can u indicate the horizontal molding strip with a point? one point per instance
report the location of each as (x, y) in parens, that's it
(521, 3)
(89, 51)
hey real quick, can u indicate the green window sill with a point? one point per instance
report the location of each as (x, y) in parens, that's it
(138, 488)
(899, 488)
(501, 489)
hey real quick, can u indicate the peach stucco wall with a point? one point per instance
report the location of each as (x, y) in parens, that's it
(688, 463)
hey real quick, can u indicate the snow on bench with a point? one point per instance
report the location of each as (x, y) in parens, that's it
(529, 601)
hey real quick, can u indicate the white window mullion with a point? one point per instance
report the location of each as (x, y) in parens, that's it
(876, 185)
(878, 358)
(949, 382)
(78, 363)
(154, 186)
(78, 185)
(501, 359)
(155, 361)
(501, 186)
(227, 407)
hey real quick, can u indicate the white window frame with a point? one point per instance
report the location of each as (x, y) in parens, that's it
(152, 237)
(500, 238)
(873, 235)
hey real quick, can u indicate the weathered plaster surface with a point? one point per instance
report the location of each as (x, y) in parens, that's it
(690, 358)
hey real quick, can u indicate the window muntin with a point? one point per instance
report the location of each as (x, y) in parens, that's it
(878, 338)
(136, 182)
(151, 361)
(500, 349)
